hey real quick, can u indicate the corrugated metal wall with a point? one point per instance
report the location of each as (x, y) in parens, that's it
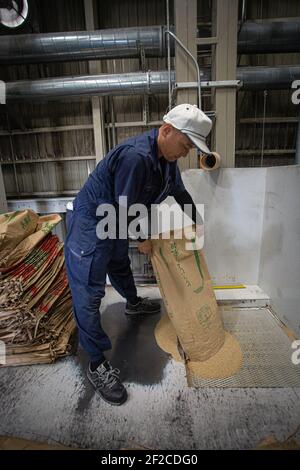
(277, 146)
(66, 177)
(279, 137)
(133, 13)
(55, 177)
(40, 165)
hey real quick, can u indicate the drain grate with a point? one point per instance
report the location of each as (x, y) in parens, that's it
(267, 352)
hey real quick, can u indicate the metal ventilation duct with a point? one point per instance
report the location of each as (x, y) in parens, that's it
(268, 78)
(253, 78)
(88, 85)
(120, 43)
(277, 36)
(104, 44)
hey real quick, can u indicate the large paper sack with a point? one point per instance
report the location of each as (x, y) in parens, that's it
(186, 287)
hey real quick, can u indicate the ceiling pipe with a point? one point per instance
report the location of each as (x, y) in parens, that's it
(254, 38)
(264, 37)
(268, 78)
(137, 83)
(269, 37)
(82, 45)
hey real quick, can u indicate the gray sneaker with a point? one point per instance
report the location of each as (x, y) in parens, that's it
(107, 383)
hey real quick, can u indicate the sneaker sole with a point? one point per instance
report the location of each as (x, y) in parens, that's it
(142, 312)
(105, 399)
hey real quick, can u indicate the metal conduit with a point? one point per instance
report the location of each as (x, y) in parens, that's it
(119, 43)
(137, 83)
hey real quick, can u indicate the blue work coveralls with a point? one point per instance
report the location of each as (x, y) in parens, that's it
(131, 169)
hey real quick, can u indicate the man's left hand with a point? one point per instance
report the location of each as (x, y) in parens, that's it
(145, 247)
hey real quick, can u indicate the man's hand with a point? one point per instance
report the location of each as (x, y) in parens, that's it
(197, 237)
(145, 247)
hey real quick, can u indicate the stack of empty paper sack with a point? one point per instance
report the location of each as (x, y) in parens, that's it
(36, 320)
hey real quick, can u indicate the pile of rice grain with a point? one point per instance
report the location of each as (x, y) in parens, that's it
(225, 363)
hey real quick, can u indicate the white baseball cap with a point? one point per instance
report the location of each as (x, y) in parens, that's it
(191, 121)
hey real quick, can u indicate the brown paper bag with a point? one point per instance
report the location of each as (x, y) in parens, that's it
(36, 318)
(15, 227)
(186, 288)
(10, 258)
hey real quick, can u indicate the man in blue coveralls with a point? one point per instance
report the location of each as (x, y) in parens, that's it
(144, 169)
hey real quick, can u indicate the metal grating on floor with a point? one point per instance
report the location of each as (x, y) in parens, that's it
(267, 352)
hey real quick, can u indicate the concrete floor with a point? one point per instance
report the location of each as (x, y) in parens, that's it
(55, 403)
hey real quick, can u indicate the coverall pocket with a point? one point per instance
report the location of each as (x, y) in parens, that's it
(80, 260)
